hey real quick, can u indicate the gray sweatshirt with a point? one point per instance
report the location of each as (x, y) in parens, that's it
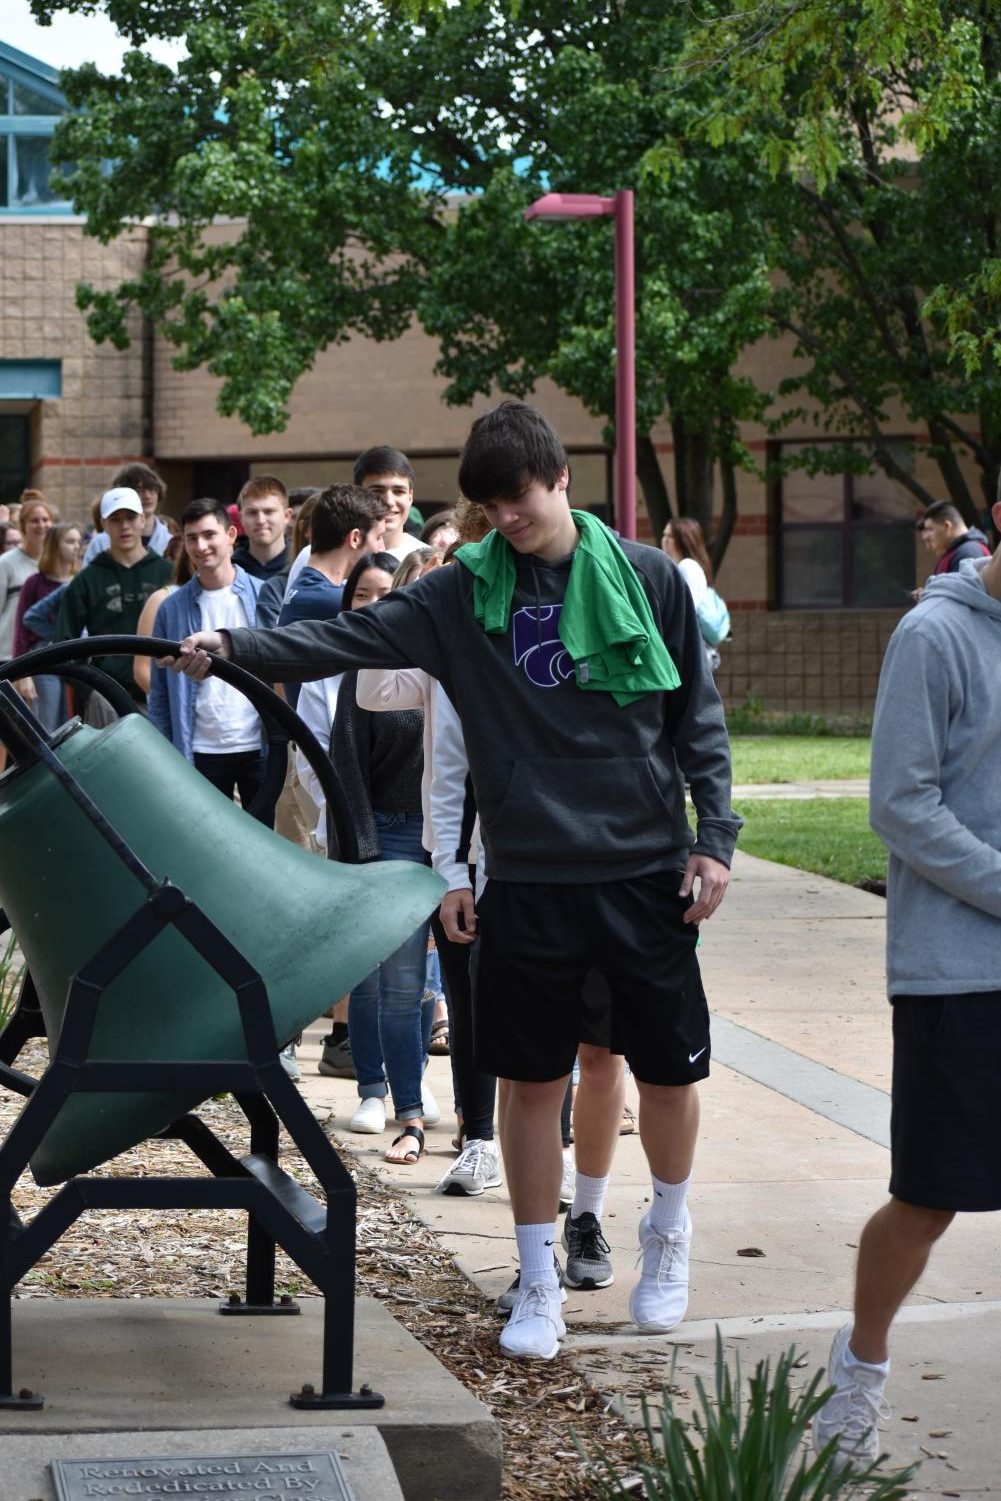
(570, 787)
(936, 773)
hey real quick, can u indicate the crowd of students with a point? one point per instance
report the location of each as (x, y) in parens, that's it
(524, 710)
(518, 696)
(303, 561)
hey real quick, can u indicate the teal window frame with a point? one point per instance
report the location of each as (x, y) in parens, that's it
(12, 125)
(31, 380)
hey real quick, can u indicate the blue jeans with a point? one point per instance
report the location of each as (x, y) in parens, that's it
(432, 980)
(388, 1020)
(51, 706)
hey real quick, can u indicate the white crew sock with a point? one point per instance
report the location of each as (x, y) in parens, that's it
(589, 1196)
(667, 1212)
(535, 1253)
(880, 1366)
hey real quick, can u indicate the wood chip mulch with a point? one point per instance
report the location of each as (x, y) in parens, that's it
(199, 1254)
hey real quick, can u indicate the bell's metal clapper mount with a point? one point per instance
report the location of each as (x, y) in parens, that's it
(143, 904)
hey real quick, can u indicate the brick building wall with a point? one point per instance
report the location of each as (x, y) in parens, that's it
(827, 661)
(119, 406)
(101, 419)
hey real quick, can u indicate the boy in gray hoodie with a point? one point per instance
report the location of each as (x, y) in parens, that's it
(936, 765)
(575, 663)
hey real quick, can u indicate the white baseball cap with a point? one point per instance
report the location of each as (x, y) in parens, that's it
(120, 499)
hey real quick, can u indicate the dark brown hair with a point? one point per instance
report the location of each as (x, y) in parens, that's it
(689, 538)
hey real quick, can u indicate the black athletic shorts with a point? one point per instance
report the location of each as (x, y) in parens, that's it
(945, 1130)
(533, 990)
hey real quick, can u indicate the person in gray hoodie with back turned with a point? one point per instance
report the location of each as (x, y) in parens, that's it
(936, 770)
(575, 663)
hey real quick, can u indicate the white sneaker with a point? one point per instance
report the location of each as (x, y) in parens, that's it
(535, 1327)
(370, 1117)
(288, 1063)
(568, 1181)
(659, 1300)
(851, 1412)
(429, 1105)
(477, 1167)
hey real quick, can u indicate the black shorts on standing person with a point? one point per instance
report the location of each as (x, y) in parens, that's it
(541, 943)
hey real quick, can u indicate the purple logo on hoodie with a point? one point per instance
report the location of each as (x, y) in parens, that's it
(538, 650)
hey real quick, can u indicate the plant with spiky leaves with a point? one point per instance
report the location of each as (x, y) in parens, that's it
(742, 1449)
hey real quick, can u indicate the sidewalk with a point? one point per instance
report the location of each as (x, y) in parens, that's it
(792, 1159)
(843, 787)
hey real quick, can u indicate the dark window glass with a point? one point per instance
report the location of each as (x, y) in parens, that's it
(813, 497)
(882, 565)
(25, 101)
(812, 566)
(223, 478)
(844, 538)
(31, 172)
(14, 456)
(4, 201)
(876, 497)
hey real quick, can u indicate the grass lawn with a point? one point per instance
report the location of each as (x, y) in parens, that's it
(830, 836)
(795, 758)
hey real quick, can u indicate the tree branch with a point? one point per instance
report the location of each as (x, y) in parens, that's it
(653, 484)
(882, 452)
(974, 444)
(728, 518)
(843, 241)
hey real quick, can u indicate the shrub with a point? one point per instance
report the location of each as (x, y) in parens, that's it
(742, 1450)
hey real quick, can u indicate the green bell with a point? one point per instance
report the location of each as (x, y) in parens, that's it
(312, 928)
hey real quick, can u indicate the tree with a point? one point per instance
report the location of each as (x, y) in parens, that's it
(335, 135)
(268, 126)
(884, 120)
(515, 102)
(820, 56)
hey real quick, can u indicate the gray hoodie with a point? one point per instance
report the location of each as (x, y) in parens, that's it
(569, 787)
(936, 779)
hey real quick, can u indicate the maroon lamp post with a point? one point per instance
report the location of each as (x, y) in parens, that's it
(552, 206)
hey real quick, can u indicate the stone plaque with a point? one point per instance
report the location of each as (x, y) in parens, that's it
(291, 1477)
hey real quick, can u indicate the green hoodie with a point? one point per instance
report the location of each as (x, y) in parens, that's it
(106, 599)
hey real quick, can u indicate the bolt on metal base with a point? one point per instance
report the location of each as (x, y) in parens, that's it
(235, 1304)
(26, 1400)
(309, 1398)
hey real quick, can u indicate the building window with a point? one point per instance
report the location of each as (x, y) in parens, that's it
(30, 109)
(15, 455)
(844, 539)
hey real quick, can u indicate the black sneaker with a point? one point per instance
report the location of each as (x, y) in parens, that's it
(588, 1264)
(506, 1300)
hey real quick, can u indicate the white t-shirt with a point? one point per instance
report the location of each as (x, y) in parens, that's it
(316, 707)
(15, 569)
(225, 721)
(694, 576)
(402, 549)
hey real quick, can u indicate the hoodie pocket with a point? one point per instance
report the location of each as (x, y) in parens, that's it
(606, 807)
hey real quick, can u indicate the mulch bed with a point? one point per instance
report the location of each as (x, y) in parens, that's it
(199, 1254)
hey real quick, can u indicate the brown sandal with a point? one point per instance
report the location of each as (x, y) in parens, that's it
(439, 1038)
(413, 1154)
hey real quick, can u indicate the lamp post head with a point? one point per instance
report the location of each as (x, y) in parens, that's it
(553, 206)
